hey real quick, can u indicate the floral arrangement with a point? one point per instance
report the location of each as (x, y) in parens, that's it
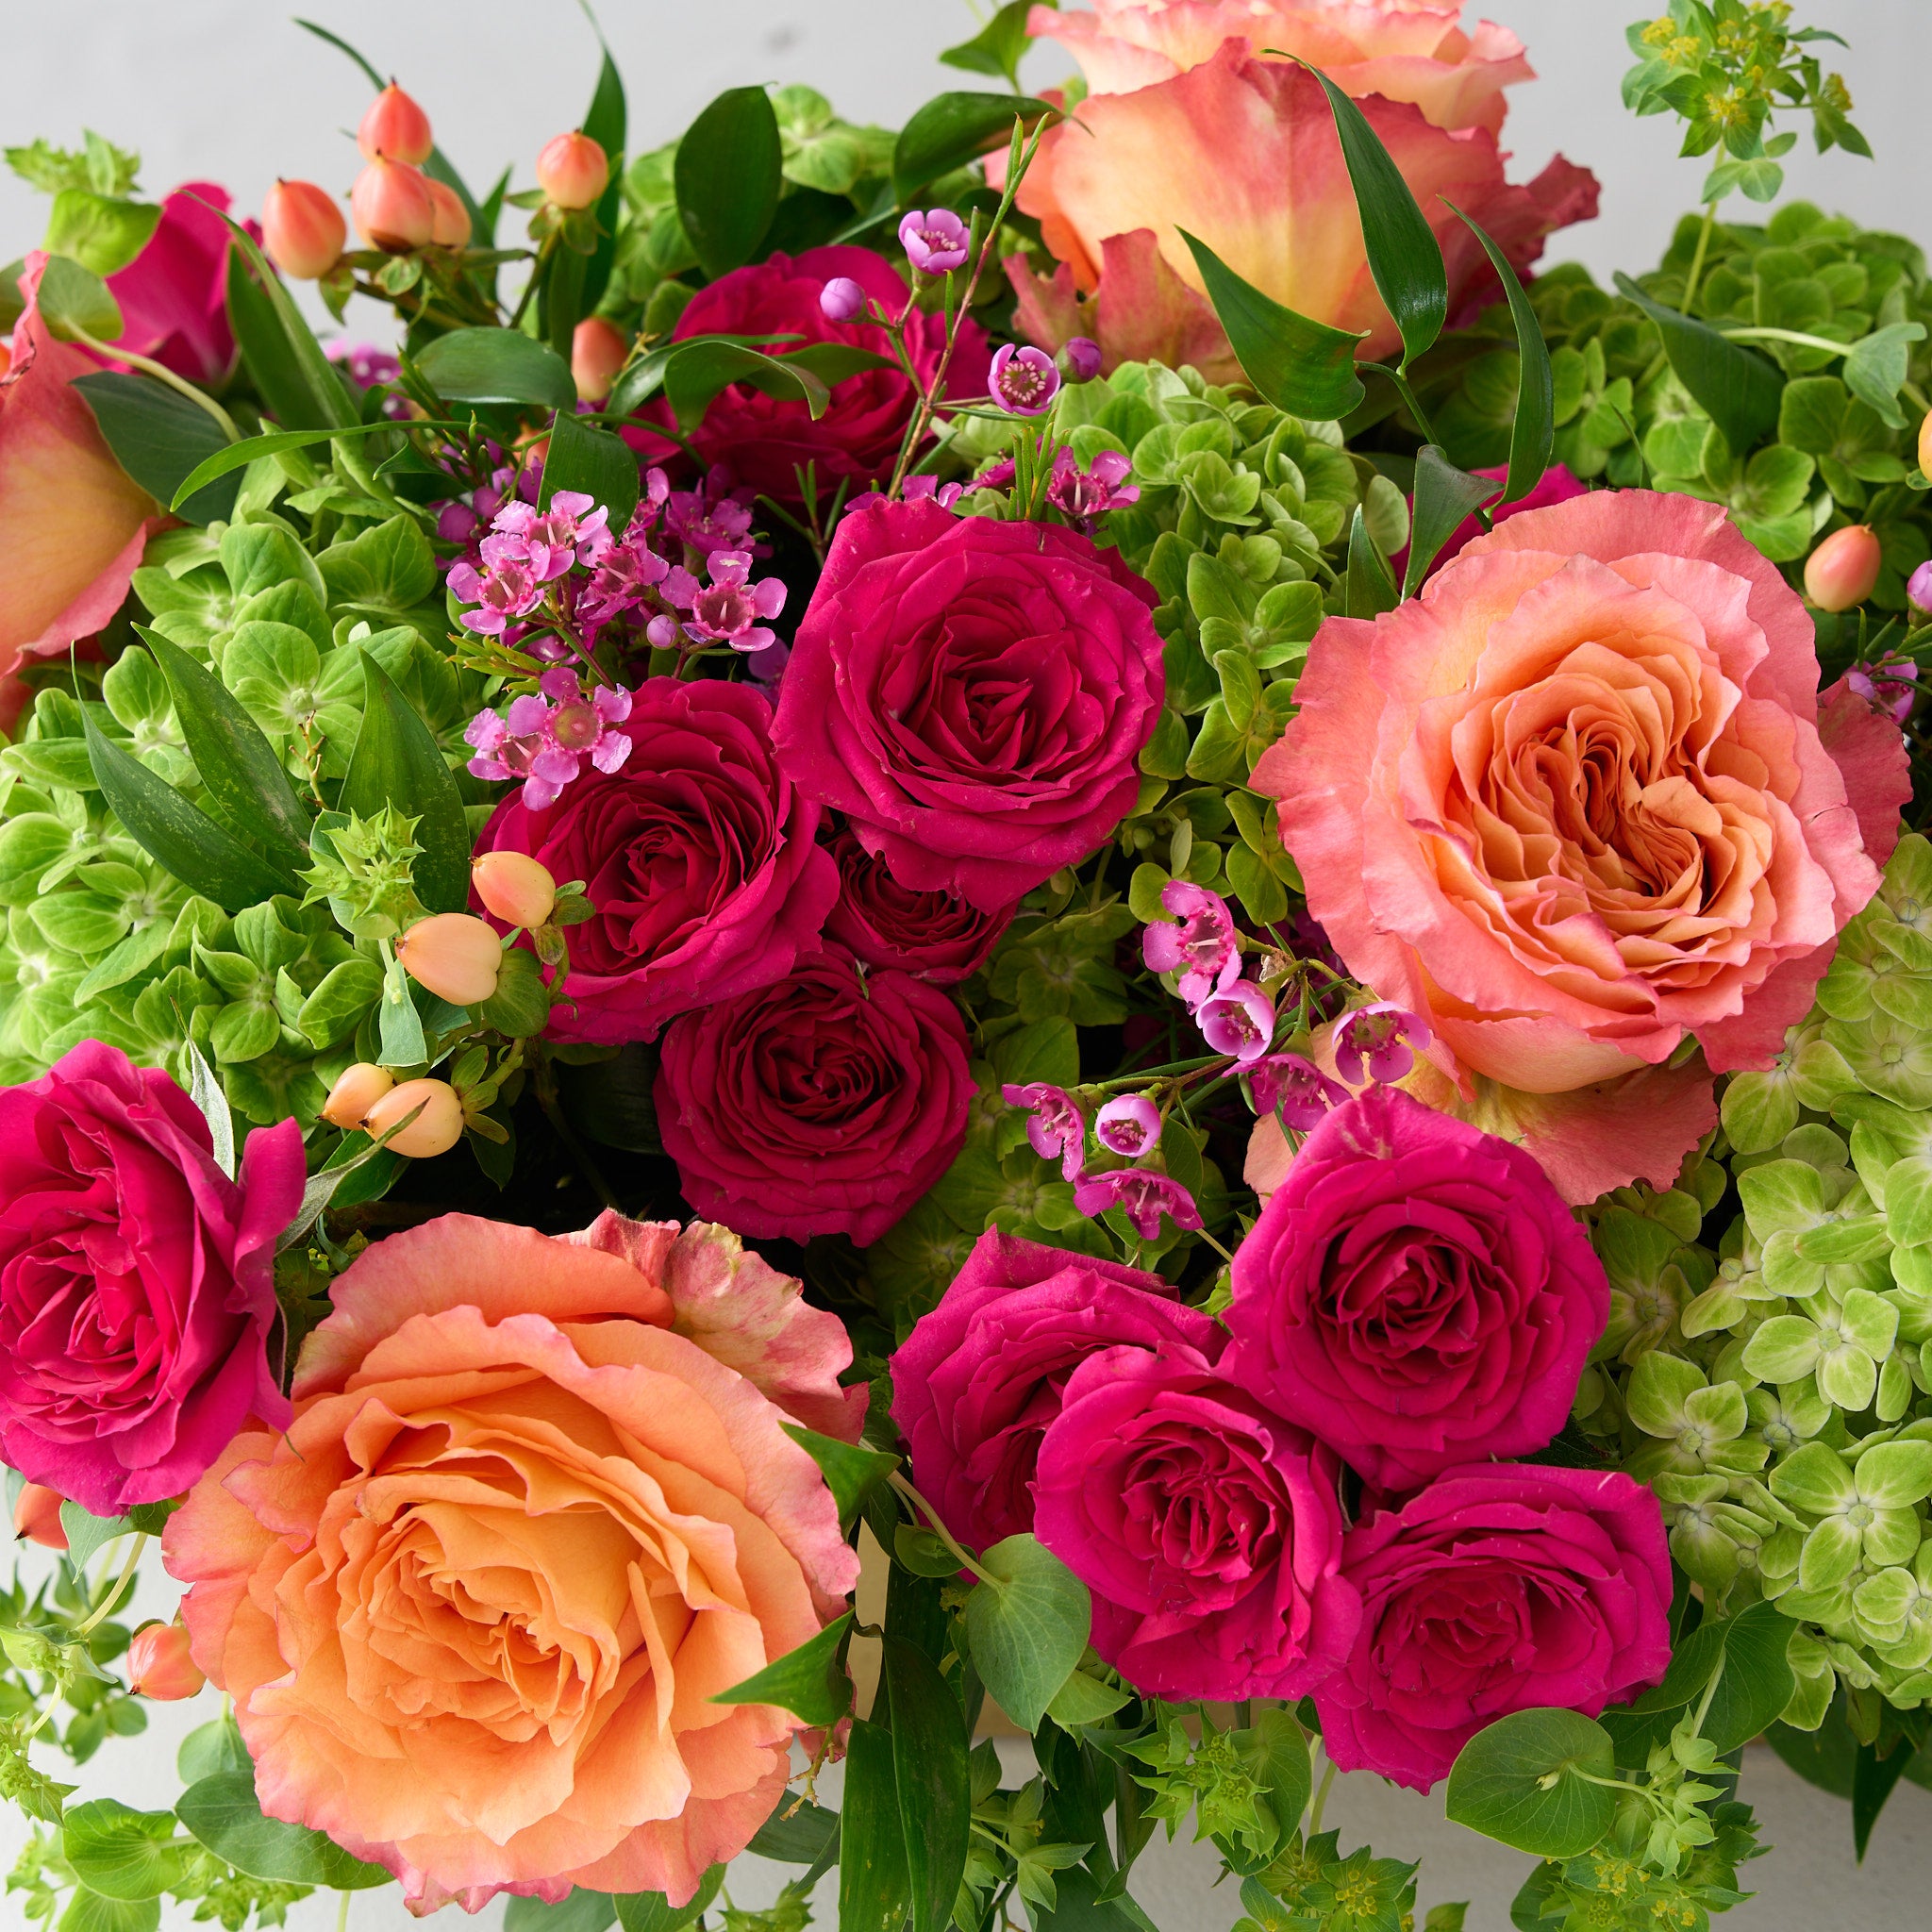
(1049, 917)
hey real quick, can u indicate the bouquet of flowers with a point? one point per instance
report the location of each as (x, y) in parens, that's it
(1064, 857)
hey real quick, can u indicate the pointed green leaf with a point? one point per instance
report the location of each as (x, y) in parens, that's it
(89, 1535)
(1739, 390)
(651, 1912)
(796, 1833)
(932, 1779)
(1028, 1626)
(396, 763)
(496, 365)
(850, 1471)
(1876, 368)
(728, 175)
(809, 1681)
(1872, 1780)
(582, 1911)
(1369, 590)
(874, 1890)
(1533, 430)
(237, 456)
(211, 1103)
(270, 359)
(223, 1812)
(602, 466)
(952, 129)
(696, 372)
(998, 47)
(605, 122)
(1518, 1782)
(158, 437)
(1444, 495)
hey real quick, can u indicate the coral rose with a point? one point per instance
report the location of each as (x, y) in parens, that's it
(698, 853)
(1498, 1589)
(1416, 1293)
(974, 695)
(136, 1283)
(982, 1376)
(473, 1607)
(1573, 805)
(931, 934)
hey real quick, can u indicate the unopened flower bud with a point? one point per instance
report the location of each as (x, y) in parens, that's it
(355, 1093)
(1841, 571)
(1079, 359)
(392, 206)
(597, 349)
(517, 887)
(301, 228)
(435, 1130)
(158, 1665)
(456, 955)
(452, 219)
(1919, 588)
(397, 127)
(841, 300)
(572, 171)
(36, 1517)
(1925, 445)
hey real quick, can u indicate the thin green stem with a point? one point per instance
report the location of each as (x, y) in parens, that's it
(939, 1529)
(1407, 395)
(343, 1913)
(1703, 235)
(1787, 335)
(1321, 1803)
(161, 372)
(121, 1583)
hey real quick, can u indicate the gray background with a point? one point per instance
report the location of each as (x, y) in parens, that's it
(230, 91)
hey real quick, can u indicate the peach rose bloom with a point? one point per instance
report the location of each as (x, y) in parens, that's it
(1578, 803)
(474, 1606)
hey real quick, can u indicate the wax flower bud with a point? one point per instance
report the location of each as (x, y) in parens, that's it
(518, 889)
(452, 219)
(1925, 445)
(392, 206)
(1023, 381)
(1841, 571)
(1919, 585)
(36, 1517)
(301, 228)
(456, 955)
(158, 1665)
(355, 1093)
(572, 171)
(841, 300)
(1079, 359)
(597, 349)
(394, 126)
(435, 1130)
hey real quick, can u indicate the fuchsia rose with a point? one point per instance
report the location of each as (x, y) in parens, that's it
(1497, 1588)
(1209, 1530)
(980, 1379)
(137, 1285)
(933, 935)
(974, 695)
(1416, 1293)
(827, 1104)
(174, 294)
(767, 440)
(700, 856)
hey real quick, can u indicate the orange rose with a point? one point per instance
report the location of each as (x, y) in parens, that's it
(474, 1606)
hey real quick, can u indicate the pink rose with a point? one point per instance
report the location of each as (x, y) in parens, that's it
(1497, 1588)
(136, 1287)
(981, 1378)
(974, 695)
(1209, 1530)
(697, 852)
(1573, 806)
(1416, 1293)
(174, 294)
(934, 934)
(826, 1104)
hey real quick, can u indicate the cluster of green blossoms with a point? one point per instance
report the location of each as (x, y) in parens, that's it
(1776, 1389)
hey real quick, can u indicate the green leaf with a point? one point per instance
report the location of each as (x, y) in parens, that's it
(119, 1853)
(90, 1912)
(1739, 389)
(1028, 1625)
(1876, 368)
(327, 385)
(74, 301)
(158, 437)
(952, 129)
(696, 372)
(809, 1681)
(602, 466)
(1084, 1699)
(998, 47)
(388, 570)
(237, 456)
(1303, 367)
(1872, 1779)
(102, 232)
(396, 763)
(582, 1911)
(1533, 428)
(1369, 590)
(1444, 495)
(798, 1837)
(89, 1535)
(651, 1912)
(210, 1749)
(211, 1102)
(189, 844)
(223, 1813)
(728, 175)
(932, 1779)
(850, 1471)
(1405, 257)
(271, 360)
(605, 121)
(1516, 1782)
(874, 1889)
(496, 365)
(1756, 1682)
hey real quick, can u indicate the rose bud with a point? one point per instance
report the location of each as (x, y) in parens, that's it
(355, 1093)
(394, 126)
(597, 349)
(1919, 585)
(435, 1130)
(301, 228)
(1841, 571)
(392, 206)
(36, 1517)
(517, 887)
(452, 227)
(841, 300)
(1079, 359)
(572, 169)
(158, 1665)
(456, 955)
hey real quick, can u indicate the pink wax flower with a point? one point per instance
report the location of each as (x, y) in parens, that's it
(935, 242)
(625, 574)
(364, 364)
(1142, 1195)
(543, 741)
(570, 529)
(1378, 1036)
(1201, 947)
(1129, 1125)
(944, 495)
(727, 609)
(1086, 495)
(1023, 382)
(714, 516)
(1238, 1020)
(1057, 1130)
(506, 591)
(1892, 685)
(1295, 1087)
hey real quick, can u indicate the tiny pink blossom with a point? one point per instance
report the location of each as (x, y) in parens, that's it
(542, 739)
(1142, 1195)
(944, 495)
(709, 518)
(1238, 1020)
(1889, 685)
(1056, 1129)
(1023, 381)
(1381, 1035)
(841, 300)
(1129, 1125)
(1295, 1087)
(1085, 495)
(935, 242)
(504, 591)
(727, 610)
(1202, 948)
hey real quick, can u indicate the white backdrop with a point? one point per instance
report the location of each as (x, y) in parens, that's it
(231, 91)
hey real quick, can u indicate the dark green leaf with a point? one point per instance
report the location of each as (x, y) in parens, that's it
(809, 1681)
(223, 1813)
(189, 844)
(998, 47)
(496, 365)
(326, 382)
(1369, 590)
(396, 763)
(651, 1912)
(1533, 430)
(582, 1911)
(237, 456)
(795, 1837)
(561, 303)
(1739, 389)
(1444, 495)
(728, 175)
(932, 1777)
(605, 122)
(88, 1535)
(874, 1890)
(850, 1471)
(1301, 366)
(1028, 1626)
(1756, 1682)
(1517, 1781)
(120, 1852)
(1403, 256)
(269, 358)
(952, 129)
(602, 465)
(1872, 1779)
(158, 436)
(696, 372)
